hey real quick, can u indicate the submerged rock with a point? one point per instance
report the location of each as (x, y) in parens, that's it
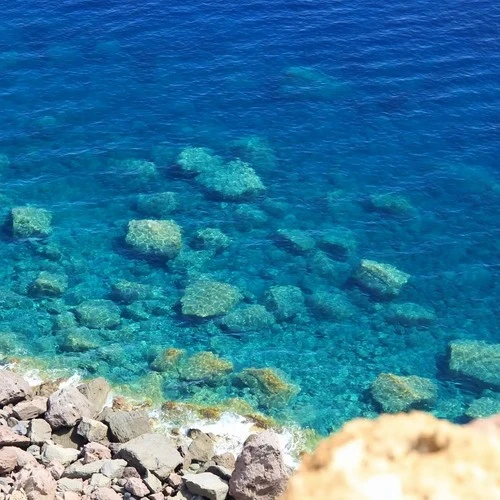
(477, 360)
(340, 244)
(31, 222)
(260, 472)
(295, 240)
(333, 306)
(257, 151)
(210, 239)
(390, 204)
(129, 291)
(135, 173)
(49, 285)
(381, 280)
(236, 181)
(400, 456)
(410, 314)
(160, 238)
(98, 313)
(198, 160)
(397, 393)
(247, 318)
(285, 302)
(306, 81)
(168, 360)
(205, 366)
(206, 298)
(486, 406)
(157, 204)
(268, 386)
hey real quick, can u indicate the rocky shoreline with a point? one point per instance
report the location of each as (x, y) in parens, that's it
(65, 442)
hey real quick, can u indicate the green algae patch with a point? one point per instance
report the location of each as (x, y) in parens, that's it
(160, 238)
(268, 386)
(395, 393)
(48, 285)
(169, 360)
(205, 299)
(205, 366)
(379, 279)
(31, 222)
(476, 360)
(98, 314)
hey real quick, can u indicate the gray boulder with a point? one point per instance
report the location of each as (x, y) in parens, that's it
(81, 470)
(127, 425)
(65, 456)
(67, 407)
(9, 438)
(207, 485)
(39, 431)
(153, 452)
(201, 448)
(96, 391)
(92, 430)
(13, 388)
(260, 473)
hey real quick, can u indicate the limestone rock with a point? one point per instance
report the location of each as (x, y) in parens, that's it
(127, 425)
(113, 468)
(400, 456)
(105, 494)
(477, 360)
(27, 410)
(260, 473)
(98, 313)
(206, 299)
(380, 280)
(92, 430)
(332, 306)
(31, 222)
(13, 387)
(160, 238)
(207, 485)
(8, 459)
(396, 393)
(154, 452)
(67, 407)
(339, 244)
(69, 484)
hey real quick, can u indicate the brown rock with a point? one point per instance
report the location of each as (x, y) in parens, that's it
(8, 460)
(127, 425)
(226, 460)
(27, 410)
(260, 473)
(40, 485)
(10, 438)
(13, 388)
(67, 407)
(96, 391)
(400, 456)
(95, 451)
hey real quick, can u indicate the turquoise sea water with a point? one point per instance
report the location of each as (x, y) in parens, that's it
(374, 129)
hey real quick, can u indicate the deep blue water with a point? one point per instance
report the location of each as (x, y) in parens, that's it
(394, 98)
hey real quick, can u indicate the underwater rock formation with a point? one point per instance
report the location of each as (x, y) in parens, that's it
(210, 239)
(395, 393)
(400, 457)
(339, 244)
(98, 313)
(198, 160)
(161, 238)
(31, 222)
(483, 407)
(48, 285)
(390, 204)
(409, 314)
(332, 306)
(205, 366)
(285, 302)
(236, 181)
(380, 280)
(295, 240)
(157, 204)
(205, 298)
(247, 318)
(477, 360)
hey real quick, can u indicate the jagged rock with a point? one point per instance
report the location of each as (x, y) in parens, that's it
(69, 484)
(65, 456)
(81, 470)
(39, 485)
(8, 459)
(198, 160)
(154, 452)
(396, 393)
(96, 391)
(39, 431)
(202, 448)
(136, 487)
(207, 485)
(477, 360)
(113, 468)
(105, 494)
(67, 407)
(92, 430)
(56, 469)
(10, 438)
(95, 451)
(152, 482)
(260, 473)
(332, 306)
(157, 204)
(339, 244)
(400, 456)
(226, 460)
(100, 481)
(27, 410)
(127, 425)
(380, 280)
(13, 388)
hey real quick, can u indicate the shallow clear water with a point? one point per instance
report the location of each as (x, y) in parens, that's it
(347, 100)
